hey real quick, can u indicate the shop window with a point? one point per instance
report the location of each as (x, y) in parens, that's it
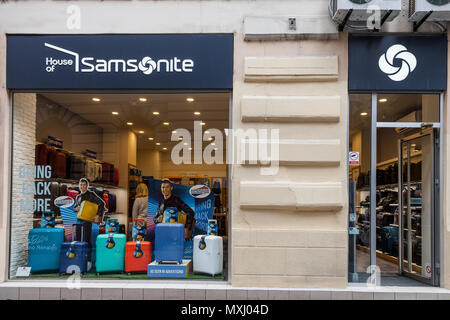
(107, 185)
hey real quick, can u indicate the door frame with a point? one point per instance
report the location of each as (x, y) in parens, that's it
(438, 199)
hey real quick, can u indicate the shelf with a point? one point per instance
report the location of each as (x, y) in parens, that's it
(70, 181)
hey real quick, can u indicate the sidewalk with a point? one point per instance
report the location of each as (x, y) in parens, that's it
(161, 290)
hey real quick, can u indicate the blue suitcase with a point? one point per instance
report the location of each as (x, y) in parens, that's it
(169, 242)
(110, 252)
(44, 248)
(389, 236)
(74, 255)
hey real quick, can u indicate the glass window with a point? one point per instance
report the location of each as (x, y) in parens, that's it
(408, 108)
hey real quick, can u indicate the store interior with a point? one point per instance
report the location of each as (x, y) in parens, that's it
(133, 134)
(416, 186)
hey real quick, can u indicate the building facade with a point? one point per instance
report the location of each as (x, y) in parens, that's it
(286, 229)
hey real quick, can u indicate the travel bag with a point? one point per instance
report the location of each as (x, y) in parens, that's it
(41, 154)
(208, 254)
(110, 252)
(169, 242)
(74, 254)
(77, 167)
(57, 160)
(44, 247)
(138, 254)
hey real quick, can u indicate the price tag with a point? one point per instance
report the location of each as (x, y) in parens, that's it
(23, 272)
(353, 231)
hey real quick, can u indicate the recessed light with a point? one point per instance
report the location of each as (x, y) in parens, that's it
(180, 139)
(164, 148)
(155, 113)
(143, 99)
(202, 123)
(130, 123)
(158, 144)
(207, 132)
(364, 113)
(96, 99)
(215, 149)
(213, 144)
(190, 99)
(190, 148)
(141, 131)
(174, 131)
(165, 123)
(185, 144)
(383, 100)
(197, 113)
(210, 139)
(151, 139)
(115, 113)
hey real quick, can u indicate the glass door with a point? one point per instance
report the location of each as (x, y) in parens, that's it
(418, 209)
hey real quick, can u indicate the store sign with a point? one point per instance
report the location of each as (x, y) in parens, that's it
(120, 62)
(397, 63)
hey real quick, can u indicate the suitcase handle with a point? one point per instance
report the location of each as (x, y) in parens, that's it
(74, 229)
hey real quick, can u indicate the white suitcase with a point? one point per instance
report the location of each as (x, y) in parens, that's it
(208, 254)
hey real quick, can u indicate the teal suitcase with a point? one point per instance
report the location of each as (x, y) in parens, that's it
(110, 252)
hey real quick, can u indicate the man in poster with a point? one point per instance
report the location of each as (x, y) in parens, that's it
(171, 200)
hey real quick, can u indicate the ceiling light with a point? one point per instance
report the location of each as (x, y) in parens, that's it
(202, 123)
(155, 113)
(180, 138)
(158, 144)
(364, 113)
(197, 113)
(151, 139)
(115, 113)
(141, 131)
(174, 131)
(143, 99)
(130, 123)
(164, 148)
(207, 132)
(190, 148)
(190, 99)
(382, 100)
(96, 99)
(185, 143)
(213, 144)
(165, 123)
(210, 139)
(216, 149)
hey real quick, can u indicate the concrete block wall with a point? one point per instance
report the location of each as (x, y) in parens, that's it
(290, 229)
(24, 137)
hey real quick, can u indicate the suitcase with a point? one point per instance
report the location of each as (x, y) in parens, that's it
(389, 236)
(41, 154)
(116, 177)
(138, 255)
(44, 248)
(57, 160)
(74, 255)
(111, 174)
(112, 202)
(208, 254)
(72, 193)
(88, 211)
(90, 170)
(106, 173)
(105, 198)
(169, 242)
(110, 252)
(77, 167)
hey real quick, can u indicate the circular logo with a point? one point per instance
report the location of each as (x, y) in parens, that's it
(64, 202)
(386, 62)
(147, 65)
(199, 191)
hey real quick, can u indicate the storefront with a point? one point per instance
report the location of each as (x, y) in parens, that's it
(116, 137)
(397, 85)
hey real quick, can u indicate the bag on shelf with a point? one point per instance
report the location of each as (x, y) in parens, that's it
(77, 167)
(41, 154)
(106, 173)
(57, 160)
(116, 177)
(90, 170)
(98, 171)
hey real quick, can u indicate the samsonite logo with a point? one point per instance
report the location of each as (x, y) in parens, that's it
(199, 191)
(64, 202)
(91, 64)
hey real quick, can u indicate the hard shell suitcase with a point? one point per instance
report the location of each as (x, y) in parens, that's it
(208, 254)
(88, 211)
(41, 153)
(106, 173)
(112, 202)
(169, 242)
(44, 247)
(74, 255)
(77, 167)
(116, 177)
(90, 170)
(57, 160)
(110, 252)
(138, 254)
(389, 236)
(111, 174)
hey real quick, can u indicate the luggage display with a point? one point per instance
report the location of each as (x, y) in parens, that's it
(138, 254)
(106, 172)
(98, 171)
(208, 254)
(44, 248)
(110, 252)
(57, 160)
(389, 236)
(88, 211)
(139, 230)
(116, 177)
(41, 154)
(74, 255)
(169, 242)
(76, 167)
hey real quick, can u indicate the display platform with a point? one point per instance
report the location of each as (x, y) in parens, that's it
(162, 270)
